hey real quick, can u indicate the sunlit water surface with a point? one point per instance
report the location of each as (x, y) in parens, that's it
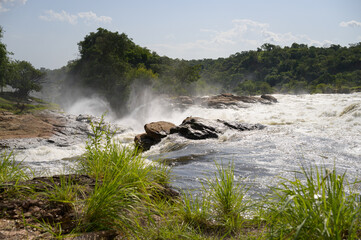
(301, 130)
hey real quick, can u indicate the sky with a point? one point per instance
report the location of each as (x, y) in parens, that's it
(46, 32)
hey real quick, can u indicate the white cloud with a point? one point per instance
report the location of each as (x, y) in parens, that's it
(5, 4)
(351, 23)
(87, 17)
(59, 16)
(90, 16)
(245, 34)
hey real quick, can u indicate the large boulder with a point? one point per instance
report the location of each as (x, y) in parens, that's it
(158, 130)
(200, 128)
(197, 128)
(144, 141)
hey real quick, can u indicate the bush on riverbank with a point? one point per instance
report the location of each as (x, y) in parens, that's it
(124, 195)
(10, 103)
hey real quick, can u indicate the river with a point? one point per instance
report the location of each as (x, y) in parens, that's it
(320, 129)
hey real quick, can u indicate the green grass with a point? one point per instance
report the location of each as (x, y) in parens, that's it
(320, 204)
(124, 180)
(130, 198)
(10, 169)
(9, 103)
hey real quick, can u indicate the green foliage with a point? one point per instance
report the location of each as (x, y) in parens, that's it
(249, 87)
(222, 204)
(10, 170)
(24, 78)
(66, 191)
(322, 206)
(4, 61)
(295, 69)
(123, 180)
(227, 197)
(177, 78)
(109, 63)
(9, 102)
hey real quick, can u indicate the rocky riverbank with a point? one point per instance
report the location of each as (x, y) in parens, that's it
(45, 128)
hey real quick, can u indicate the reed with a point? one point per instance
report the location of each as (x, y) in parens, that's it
(318, 204)
(123, 180)
(10, 169)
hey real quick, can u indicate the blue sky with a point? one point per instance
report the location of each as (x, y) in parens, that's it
(46, 32)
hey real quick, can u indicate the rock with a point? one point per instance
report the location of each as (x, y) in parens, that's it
(144, 141)
(45, 128)
(242, 126)
(197, 128)
(185, 100)
(228, 99)
(84, 118)
(158, 130)
(269, 98)
(200, 128)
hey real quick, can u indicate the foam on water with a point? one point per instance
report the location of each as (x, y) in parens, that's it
(322, 129)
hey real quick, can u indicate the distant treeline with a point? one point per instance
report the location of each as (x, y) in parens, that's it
(295, 69)
(112, 65)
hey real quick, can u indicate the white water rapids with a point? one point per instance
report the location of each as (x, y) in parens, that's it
(300, 130)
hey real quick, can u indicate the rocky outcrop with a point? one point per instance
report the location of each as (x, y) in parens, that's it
(45, 128)
(155, 131)
(185, 100)
(221, 101)
(144, 141)
(192, 128)
(197, 128)
(269, 98)
(200, 128)
(227, 99)
(158, 130)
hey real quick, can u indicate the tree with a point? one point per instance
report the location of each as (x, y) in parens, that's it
(4, 61)
(24, 78)
(109, 64)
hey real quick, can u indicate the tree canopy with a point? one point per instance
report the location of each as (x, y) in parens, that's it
(294, 69)
(24, 78)
(110, 63)
(20, 75)
(3, 62)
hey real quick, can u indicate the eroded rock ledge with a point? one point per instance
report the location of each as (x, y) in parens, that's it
(192, 128)
(44, 128)
(224, 100)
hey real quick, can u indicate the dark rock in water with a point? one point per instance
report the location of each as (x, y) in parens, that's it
(84, 118)
(185, 100)
(228, 99)
(144, 141)
(198, 128)
(192, 128)
(158, 130)
(242, 126)
(269, 98)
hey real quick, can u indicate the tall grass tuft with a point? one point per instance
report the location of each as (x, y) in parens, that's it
(320, 206)
(228, 197)
(220, 208)
(196, 211)
(11, 170)
(123, 179)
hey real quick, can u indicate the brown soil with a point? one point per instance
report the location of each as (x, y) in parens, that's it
(41, 125)
(24, 208)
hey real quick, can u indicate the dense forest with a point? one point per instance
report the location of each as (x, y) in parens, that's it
(295, 69)
(112, 66)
